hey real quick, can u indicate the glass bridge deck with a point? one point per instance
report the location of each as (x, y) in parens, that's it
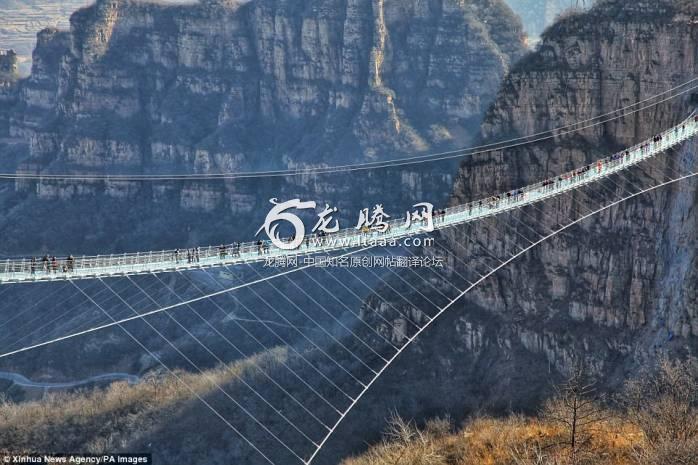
(93, 267)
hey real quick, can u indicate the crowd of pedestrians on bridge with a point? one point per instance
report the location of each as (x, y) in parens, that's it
(51, 264)
(194, 255)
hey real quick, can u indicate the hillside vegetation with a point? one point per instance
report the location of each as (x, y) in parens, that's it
(489, 441)
(653, 422)
(104, 420)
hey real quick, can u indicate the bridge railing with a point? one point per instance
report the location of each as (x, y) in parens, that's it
(602, 167)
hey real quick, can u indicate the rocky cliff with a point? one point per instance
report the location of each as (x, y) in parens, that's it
(616, 292)
(224, 86)
(8, 66)
(590, 64)
(8, 87)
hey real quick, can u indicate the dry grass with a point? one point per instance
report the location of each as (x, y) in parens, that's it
(510, 441)
(656, 424)
(98, 419)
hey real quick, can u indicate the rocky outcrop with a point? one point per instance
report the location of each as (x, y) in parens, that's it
(227, 86)
(8, 87)
(8, 66)
(268, 83)
(617, 292)
(223, 86)
(586, 65)
(40, 94)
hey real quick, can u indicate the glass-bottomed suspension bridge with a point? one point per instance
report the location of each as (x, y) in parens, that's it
(93, 267)
(338, 359)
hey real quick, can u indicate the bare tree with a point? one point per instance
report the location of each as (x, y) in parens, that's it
(532, 454)
(404, 443)
(577, 407)
(663, 404)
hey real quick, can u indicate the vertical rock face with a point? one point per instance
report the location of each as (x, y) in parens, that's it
(8, 65)
(227, 86)
(40, 93)
(189, 87)
(630, 278)
(8, 87)
(616, 292)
